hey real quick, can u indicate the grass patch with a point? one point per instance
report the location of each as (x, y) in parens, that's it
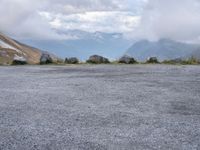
(189, 61)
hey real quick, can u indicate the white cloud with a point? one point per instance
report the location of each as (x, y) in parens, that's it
(42, 18)
(103, 21)
(20, 18)
(46, 19)
(174, 19)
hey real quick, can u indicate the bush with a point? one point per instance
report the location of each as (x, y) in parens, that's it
(152, 60)
(46, 59)
(96, 59)
(72, 60)
(127, 60)
(173, 61)
(189, 61)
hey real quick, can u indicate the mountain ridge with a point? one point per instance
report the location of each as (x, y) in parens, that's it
(110, 45)
(10, 48)
(163, 49)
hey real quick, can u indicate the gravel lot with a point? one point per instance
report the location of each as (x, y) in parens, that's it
(86, 107)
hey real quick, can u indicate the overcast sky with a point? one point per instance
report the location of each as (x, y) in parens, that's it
(152, 19)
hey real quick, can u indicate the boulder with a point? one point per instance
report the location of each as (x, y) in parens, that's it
(96, 59)
(46, 59)
(152, 60)
(72, 60)
(127, 60)
(19, 60)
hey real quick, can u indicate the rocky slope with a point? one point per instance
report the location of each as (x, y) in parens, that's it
(10, 49)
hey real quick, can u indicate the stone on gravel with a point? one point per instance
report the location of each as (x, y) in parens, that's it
(96, 59)
(72, 60)
(127, 60)
(46, 59)
(152, 60)
(19, 60)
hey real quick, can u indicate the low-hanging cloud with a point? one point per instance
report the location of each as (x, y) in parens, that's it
(20, 18)
(174, 19)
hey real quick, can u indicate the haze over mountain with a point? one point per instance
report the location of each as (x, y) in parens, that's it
(163, 49)
(195, 54)
(111, 45)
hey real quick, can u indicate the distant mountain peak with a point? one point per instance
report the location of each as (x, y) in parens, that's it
(162, 49)
(111, 45)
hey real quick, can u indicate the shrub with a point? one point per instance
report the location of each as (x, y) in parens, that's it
(72, 60)
(152, 60)
(96, 59)
(127, 60)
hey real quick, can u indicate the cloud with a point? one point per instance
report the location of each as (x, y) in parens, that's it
(44, 18)
(20, 18)
(151, 19)
(174, 19)
(103, 21)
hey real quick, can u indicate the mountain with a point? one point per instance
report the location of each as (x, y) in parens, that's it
(195, 54)
(10, 48)
(110, 45)
(163, 49)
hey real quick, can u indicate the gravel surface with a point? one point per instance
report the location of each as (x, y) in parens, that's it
(100, 107)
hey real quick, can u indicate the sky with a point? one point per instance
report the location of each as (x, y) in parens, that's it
(135, 19)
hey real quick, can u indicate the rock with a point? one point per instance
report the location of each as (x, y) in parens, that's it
(19, 60)
(96, 59)
(127, 60)
(152, 60)
(46, 59)
(72, 60)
